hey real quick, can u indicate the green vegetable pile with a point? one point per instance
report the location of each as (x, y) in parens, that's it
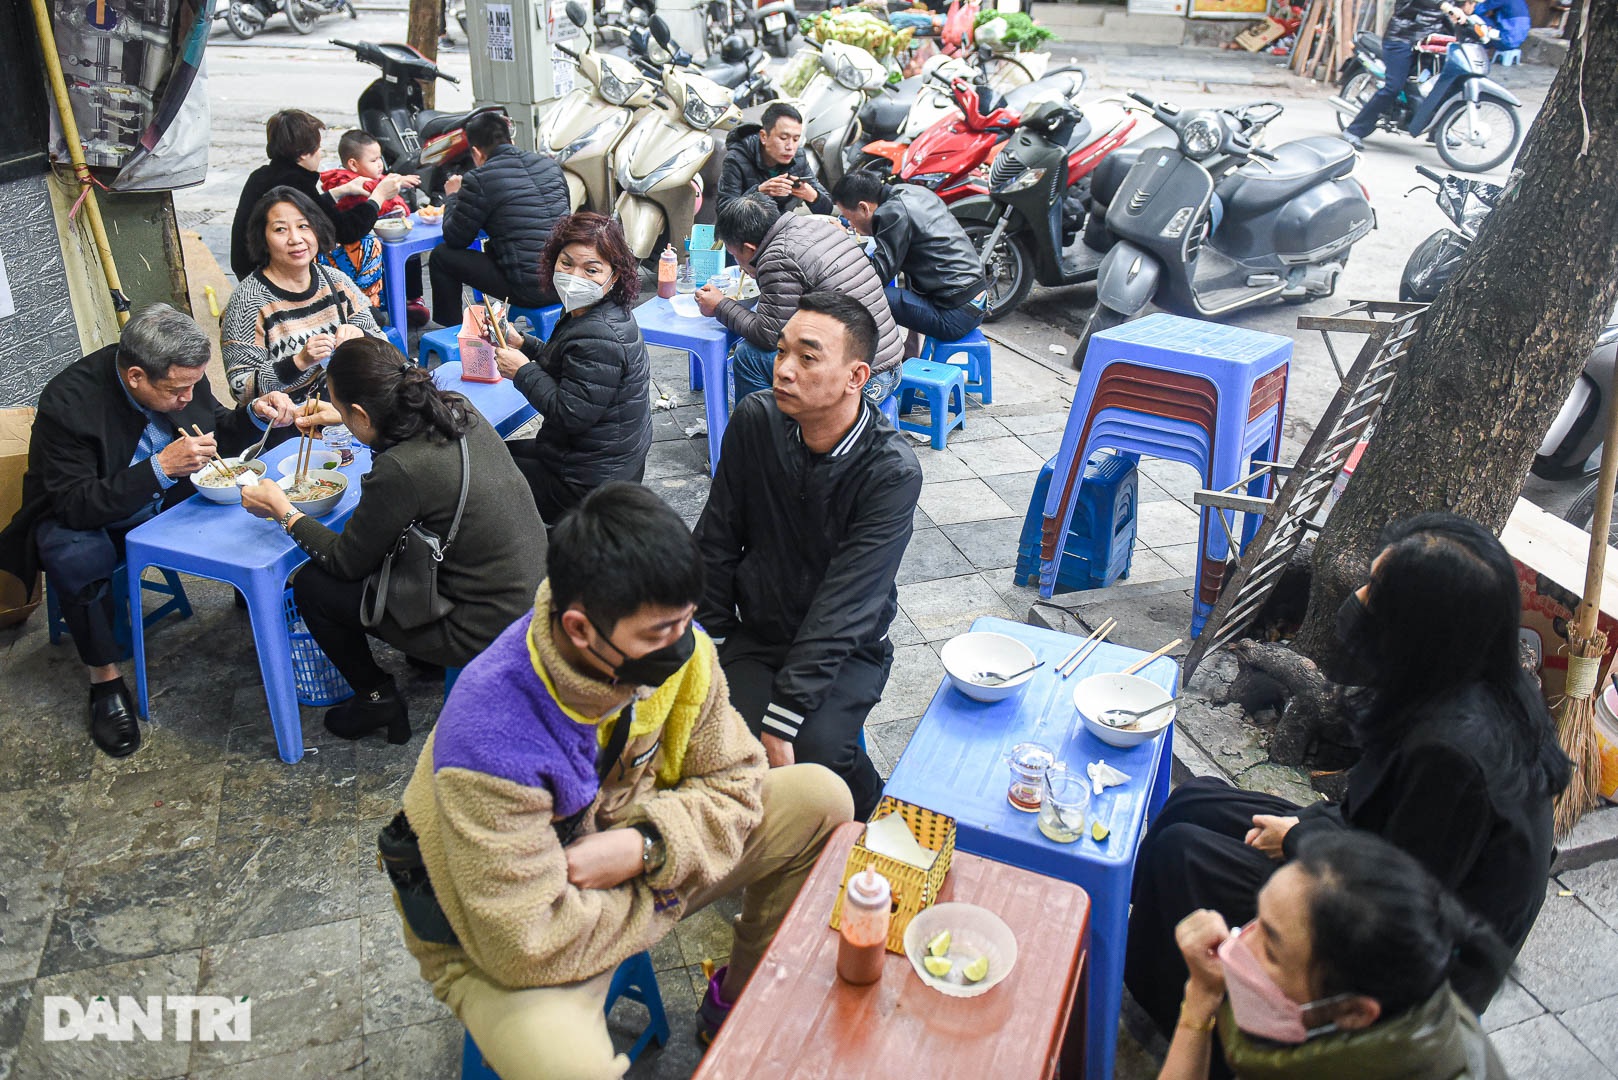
(1021, 34)
(860, 28)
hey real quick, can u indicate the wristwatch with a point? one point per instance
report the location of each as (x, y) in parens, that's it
(652, 852)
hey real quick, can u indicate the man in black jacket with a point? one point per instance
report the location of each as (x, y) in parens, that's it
(915, 233)
(516, 197)
(1412, 20)
(806, 523)
(110, 449)
(773, 162)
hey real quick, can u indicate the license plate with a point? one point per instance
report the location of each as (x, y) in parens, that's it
(775, 21)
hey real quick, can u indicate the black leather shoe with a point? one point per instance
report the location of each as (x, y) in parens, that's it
(113, 725)
(365, 713)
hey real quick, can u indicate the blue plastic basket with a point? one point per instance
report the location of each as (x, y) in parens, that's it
(317, 680)
(705, 264)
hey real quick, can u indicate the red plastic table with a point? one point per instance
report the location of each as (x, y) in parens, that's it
(798, 1019)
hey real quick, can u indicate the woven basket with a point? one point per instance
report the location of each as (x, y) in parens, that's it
(913, 889)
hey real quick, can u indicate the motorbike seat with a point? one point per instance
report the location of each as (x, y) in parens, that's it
(1369, 42)
(1063, 83)
(884, 115)
(430, 123)
(730, 76)
(1263, 185)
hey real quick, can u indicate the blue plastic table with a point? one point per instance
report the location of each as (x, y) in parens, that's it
(226, 543)
(501, 403)
(709, 342)
(423, 236)
(956, 764)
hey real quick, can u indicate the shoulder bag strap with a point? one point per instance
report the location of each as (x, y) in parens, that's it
(466, 483)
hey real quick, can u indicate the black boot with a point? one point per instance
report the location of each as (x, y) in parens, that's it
(367, 712)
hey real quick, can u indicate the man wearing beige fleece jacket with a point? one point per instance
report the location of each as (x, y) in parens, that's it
(556, 850)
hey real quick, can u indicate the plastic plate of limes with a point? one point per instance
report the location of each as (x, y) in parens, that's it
(960, 949)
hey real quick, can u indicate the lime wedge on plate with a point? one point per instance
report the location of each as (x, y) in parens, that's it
(937, 965)
(977, 970)
(939, 945)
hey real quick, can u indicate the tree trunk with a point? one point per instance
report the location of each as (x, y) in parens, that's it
(426, 23)
(1502, 345)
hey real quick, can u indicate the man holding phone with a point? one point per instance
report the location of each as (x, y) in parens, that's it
(772, 162)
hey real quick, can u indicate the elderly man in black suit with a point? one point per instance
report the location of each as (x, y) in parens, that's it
(111, 448)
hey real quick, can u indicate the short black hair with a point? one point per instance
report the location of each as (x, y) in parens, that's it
(258, 249)
(855, 317)
(489, 130)
(857, 186)
(292, 133)
(354, 143)
(619, 550)
(775, 111)
(747, 218)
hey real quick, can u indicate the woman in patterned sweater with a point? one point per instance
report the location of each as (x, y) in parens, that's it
(285, 318)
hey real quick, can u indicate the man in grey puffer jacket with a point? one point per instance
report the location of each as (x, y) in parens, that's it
(789, 255)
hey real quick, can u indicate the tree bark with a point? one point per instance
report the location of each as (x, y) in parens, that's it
(1500, 348)
(426, 23)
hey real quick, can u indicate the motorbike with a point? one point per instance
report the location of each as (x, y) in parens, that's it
(1472, 121)
(1035, 206)
(247, 17)
(414, 138)
(776, 21)
(952, 157)
(1577, 432)
(846, 79)
(723, 18)
(743, 71)
(1260, 226)
(659, 164)
(582, 129)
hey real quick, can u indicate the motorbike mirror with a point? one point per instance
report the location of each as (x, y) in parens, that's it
(576, 13)
(660, 31)
(682, 58)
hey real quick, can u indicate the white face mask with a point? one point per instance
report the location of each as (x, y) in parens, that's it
(577, 292)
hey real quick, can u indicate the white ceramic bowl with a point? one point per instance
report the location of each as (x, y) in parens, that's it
(318, 462)
(967, 655)
(393, 228)
(323, 505)
(973, 932)
(1098, 693)
(227, 493)
(685, 306)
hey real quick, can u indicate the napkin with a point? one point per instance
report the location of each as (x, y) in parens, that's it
(1103, 776)
(890, 836)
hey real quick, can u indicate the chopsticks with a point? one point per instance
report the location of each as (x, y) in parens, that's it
(495, 327)
(1142, 663)
(1082, 652)
(216, 464)
(306, 441)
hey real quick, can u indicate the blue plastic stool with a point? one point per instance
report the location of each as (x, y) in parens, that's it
(445, 342)
(1508, 57)
(396, 338)
(543, 318)
(176, 604)
(1100, 547)
(634, 980)
(979, 363)
(450, 675)
(943, 388)
(890, 409)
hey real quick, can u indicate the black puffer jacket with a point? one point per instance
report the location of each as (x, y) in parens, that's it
(916, 233)
(1413, 20)
(801, 254)
(745, 169)
(516, 196)
(348, 226)
(590, 382)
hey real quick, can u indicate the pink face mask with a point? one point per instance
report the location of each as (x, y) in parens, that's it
(1260, 1006)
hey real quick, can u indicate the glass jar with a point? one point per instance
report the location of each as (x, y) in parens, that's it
(1029, 762)
(340, 441)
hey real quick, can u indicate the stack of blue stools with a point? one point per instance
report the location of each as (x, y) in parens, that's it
(1181, 389)
(1101, 542)
(445, 343)
(979, 363)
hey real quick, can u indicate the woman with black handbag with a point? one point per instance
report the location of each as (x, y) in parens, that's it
(436, 560)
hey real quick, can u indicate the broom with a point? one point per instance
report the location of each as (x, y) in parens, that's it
(1575, 714)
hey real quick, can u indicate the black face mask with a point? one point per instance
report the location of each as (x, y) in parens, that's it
(1355, 662)
(656, 667)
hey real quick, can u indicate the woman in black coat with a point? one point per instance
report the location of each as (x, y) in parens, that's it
(590, 381)
(1459, 764)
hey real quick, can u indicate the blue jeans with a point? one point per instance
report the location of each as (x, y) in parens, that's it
(915, 312)
(753, 369)
(1397, 57)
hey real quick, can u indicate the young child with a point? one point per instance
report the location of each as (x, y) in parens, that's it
(361, 156)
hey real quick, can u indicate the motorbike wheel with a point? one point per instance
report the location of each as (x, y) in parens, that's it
(239, 23)
(1101, 318)
(777, 43)
(301, 18)
(1583, 511)
(1357, 88)
(1010, 271)
(1497, 116)
(1005, 73)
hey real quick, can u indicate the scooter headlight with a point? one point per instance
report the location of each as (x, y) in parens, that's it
(613, 90)
(1201, 135)
(928, 179)
(1023, 181)
(702, 114)
(1176, 226)
(847, 73)
(640, 185)
(601, 133)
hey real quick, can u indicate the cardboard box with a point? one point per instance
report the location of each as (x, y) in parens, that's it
(1256, 37)
(1550, 555)
(17, 599)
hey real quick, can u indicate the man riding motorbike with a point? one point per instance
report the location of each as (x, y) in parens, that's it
(1412, 20)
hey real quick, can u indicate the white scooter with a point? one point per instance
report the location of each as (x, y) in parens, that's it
(583, 128)
(848, 77)
(659, 162)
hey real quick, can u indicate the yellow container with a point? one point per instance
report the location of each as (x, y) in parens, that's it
(1606, 726)
(913, 888)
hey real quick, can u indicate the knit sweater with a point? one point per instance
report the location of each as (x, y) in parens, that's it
(264, 328)
(506, 761)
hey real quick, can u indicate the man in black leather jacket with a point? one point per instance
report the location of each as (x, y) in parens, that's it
(915, 233)
(1412, 20)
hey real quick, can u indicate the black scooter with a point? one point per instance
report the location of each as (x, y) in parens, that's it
(1271, 226)
(415, 139)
